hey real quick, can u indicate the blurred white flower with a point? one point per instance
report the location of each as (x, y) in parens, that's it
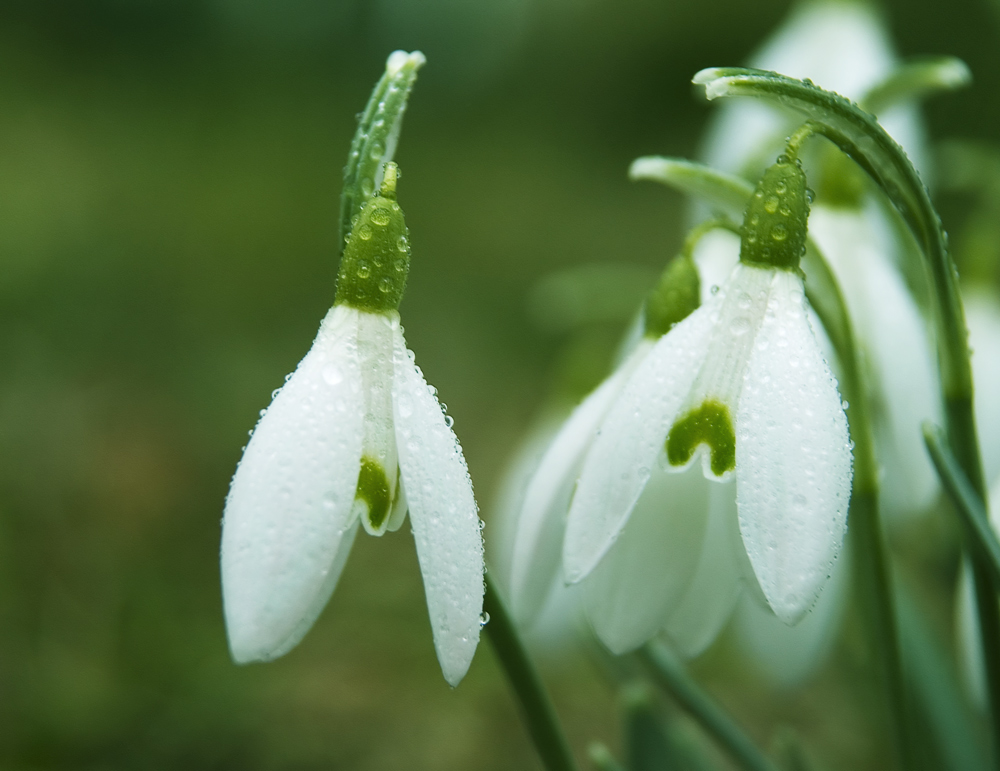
(355, 436)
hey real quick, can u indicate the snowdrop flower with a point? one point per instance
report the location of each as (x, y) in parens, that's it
(843, 47)
(355, 437)
(740, 382)
(537, 541)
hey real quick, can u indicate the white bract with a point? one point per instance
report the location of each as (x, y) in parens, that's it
(356, 436)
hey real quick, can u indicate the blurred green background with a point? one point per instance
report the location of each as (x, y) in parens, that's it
(169, 186)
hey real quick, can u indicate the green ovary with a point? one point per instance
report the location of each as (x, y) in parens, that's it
(373, 489)
(708, 424)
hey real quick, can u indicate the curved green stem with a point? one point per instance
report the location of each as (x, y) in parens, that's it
(536, 706)
(669, 672)
(871, 555)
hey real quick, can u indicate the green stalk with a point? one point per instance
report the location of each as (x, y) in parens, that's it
(670, 674)
(536, 707)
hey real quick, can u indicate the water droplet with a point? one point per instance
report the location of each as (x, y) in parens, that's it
(771, 204)
(845, 404)
(380, 216)
(715, 289)
(449, 421)
(332, 374)
(363, 270)
(740, 326)
(275, 392)
(744, 301)
(779, 232)
(402, 244)
(367, 187)
(385, 285)
(484, 619)
(781, 188)
(377, 151)
(364, 232)
(782, 159)
(400, 266)
(288, 376)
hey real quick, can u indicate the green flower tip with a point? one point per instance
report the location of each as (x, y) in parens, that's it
(775, 223)
(376, 259)
(674, 298)
(708, 424)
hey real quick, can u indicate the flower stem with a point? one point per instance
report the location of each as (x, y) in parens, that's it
(874, 580)
(536, 706)
(671, 675)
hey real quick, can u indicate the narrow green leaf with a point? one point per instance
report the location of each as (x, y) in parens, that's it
(934, 683)
(968, 504)
(725, 192)
(916, 80)
(374, 142)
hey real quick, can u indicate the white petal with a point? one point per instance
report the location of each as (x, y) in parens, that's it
(793, 460)
(287, 526)
(639, 582)
(789, 654)
(538, 543)
(630, 442)
(717, 582)
(443, 513)
(898, 352)
(982, 314)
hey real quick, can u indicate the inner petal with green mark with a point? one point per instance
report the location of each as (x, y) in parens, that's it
(710, 424)
(374, 492)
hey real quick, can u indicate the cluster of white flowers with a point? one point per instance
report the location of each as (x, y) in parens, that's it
(711, 470)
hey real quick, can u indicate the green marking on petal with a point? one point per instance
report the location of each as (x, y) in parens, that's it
(708, 424)
(373, 489)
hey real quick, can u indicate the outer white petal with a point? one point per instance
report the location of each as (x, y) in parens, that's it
(898, 348)
(446, 526)
(982, 314)
(789, 654)
(538, 543)
(639, 582)
(287, 527)
(717, 583)
(630, 442)
(793, 459)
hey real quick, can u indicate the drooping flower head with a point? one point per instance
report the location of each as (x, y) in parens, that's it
(742, 383)
(355, 437)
